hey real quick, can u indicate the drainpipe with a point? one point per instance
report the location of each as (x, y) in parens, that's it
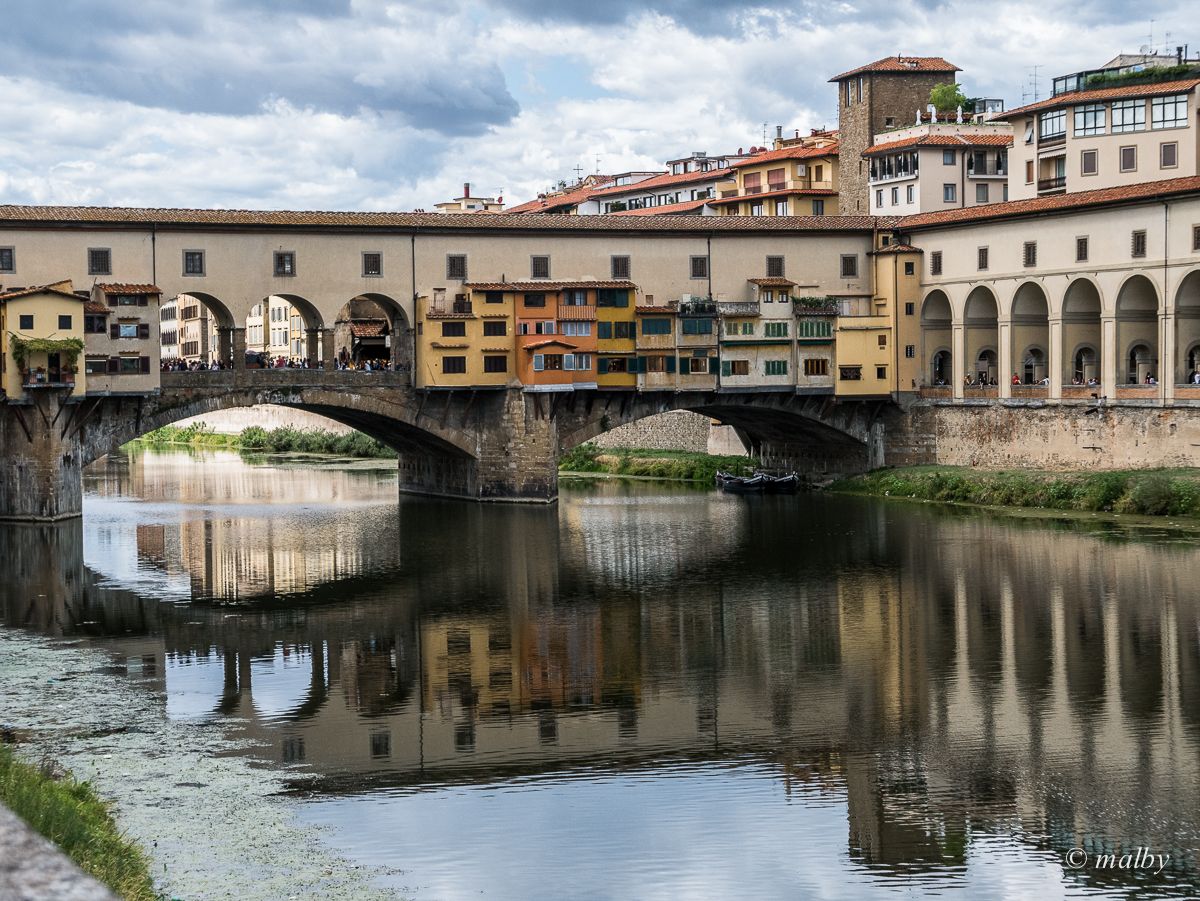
(412, 239)
(1168, 311)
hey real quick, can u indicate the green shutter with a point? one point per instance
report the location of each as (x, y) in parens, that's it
(713, 363)
(671, 363)
(726, 367)
(604, 330)
(602, 366)
(622, 299)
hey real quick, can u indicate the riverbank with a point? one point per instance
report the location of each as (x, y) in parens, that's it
(71, 815)
(268, 441)
(1160, 492)
(589, 459)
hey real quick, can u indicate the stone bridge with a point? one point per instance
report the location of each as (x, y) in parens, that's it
(478, 444)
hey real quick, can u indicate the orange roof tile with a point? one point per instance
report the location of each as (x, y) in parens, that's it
(368, 328)
(787, 153)
(941, 141)
(128, 289)
(569, 198)
(95, 307)
(773, 282)
(656, 310)
(1097, 94)
(666, 178)
(903, 65)
(535, 286)
(666, 209)
(1054, 203)
(785, 192)
(537, 345)
(33, 290)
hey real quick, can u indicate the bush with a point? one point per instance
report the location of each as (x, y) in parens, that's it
(1150, 495)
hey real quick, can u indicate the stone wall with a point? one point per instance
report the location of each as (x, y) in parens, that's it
(268, 416)
(678, 430)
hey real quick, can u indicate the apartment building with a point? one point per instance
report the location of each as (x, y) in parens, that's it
(269, 329)
(566, 199)
(43, 328)
(757, 341)
(795, 180)
(168, 329)
(687, 185)
(470, 204)
(466, 340)
(125, 358)
(1107, 128)
(938, 166)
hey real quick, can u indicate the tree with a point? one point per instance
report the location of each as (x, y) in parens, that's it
(946, 98)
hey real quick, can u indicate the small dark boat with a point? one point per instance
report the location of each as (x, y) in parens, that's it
(788, 484)
(727, 481)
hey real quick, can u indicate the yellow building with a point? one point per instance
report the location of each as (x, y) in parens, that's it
(42, 329)
(616, 340)
(466, 341)
(791, 180)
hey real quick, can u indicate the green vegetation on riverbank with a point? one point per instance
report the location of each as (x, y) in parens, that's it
(658, 464)
(70, 814)
(1144, 492)
(263, 441)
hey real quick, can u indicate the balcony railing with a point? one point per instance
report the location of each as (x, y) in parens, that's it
(451, 308)
(1057, 183)
(1051, 140)
(697, 308)
(988, 170)
(777, 186)
(738, 308)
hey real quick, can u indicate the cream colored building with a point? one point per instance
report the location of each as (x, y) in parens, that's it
(470, 204)
(125, 358)
(42, 331)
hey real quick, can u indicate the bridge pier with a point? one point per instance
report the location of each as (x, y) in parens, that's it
(41, 469)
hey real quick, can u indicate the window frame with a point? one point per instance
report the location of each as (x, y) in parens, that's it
(1137, 244)
(981, 258)
(698, 267)
(535, 260)
(1083, 155)
(1082, 243)
(1052, 117)
(282, 256)
(187, 272)
(1029, 254)
(457, 358)
(1162, 149)
(1097, 113)
(378, 254)
(777, 262)
(852, 270)
(93, 269)
(1137, 122)
(25, 321)
(1177, 101)
(11, 252)
(614, 268)
(455, 261)
(1121, 167)
(935, 262)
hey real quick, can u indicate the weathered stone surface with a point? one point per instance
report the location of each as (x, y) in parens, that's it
(40, 458)
(32, 869)
(679, 430)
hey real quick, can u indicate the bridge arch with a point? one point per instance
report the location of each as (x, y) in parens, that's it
(937, 336)
(283, 325)
(374, 326)
(204, 328)
(1137, 327)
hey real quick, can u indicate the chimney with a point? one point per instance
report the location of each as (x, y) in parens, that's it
(466, 189)
(778, 131)
(1179, 55)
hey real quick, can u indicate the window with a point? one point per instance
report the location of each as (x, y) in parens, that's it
(935, 263)
(454, 365)
(849, 265)
(613, 365)
(695, 326)
(577, 329)
(99, 261)
(1138, 244)
(656, 326)
(619, 267)
(910, 351)
(850, 373)
(574, 298)
(1128, 159)
(26, 322)
(879, 197)
(1029, 132)
(1168, 155)
(1196, 237)
(775, 367)
(1081, 249)
(756, 208)
(747, 328)
(774, 267)
(125, 330)
(981, 193)
(1052, 125)
(1029, 172)
(781, 207)
(495, 329)
(8, 259)
(285, 263)
(64, 321)
(612, 297)
(1128, 115)
(735, 367)
(539, 267)
(1169, 112)
(882, 341)
(881, 372)
(493, 297)
(818, 207)
(372, 264)
(950, 193)
(456, 266)
(1089, 162)
(699, 267)
(658, 363)
(816, 366)
(910, 268)
(908, 194)
(535, 300)
(577, 362)
(133, 365)
(1089, 119)
(895, 196)
(96, 325)
(697, 366)
(948, 157)
(96, 365)
(910, 308)
(454, 329)
(1030, 253)
(982, 261)
(193, 262)
(775, 329)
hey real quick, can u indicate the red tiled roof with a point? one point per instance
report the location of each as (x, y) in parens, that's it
(535, 286)
(666, 209)
(571, 197)
(537, 345)
(898, 248)
(656, 311)
(903, 65)
(666, 178)
(941, 141)
(785, 192)
(1097, 94)
(772, 282)
(787, 153)
(39, 289)
(1143, 191)
(95, 307)
(129, 289)
(368, 328)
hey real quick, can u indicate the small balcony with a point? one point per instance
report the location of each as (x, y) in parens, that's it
(1054, 183)
(738, 308)
(988, 170)
(1051, 140)
(455, 308)
(697, 308)
(569, 313)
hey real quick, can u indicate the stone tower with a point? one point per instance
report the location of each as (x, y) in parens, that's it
(880, 95)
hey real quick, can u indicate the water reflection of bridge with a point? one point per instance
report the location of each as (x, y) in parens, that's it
(900, 660)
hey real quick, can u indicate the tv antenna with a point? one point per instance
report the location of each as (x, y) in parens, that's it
(578, 170)
(1033, 87)
(597, 164)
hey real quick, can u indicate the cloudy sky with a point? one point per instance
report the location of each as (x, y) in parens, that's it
(393, 104)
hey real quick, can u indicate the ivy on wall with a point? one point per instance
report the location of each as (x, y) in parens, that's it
(68, 348)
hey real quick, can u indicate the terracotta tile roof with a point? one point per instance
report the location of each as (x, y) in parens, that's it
(665, 179)
(536, 286)
(1144, 191)
(368, 328)
(569, 198)
(772, 282)
(904, 65)
(94, 306)
(787, 153)
(1097, 94)
(1004, 140)
(785, 192)
(666, 209)
(434, 222)
(897, 248)
(537, 345)
(128, 289)
(656, 311)
(32, 290)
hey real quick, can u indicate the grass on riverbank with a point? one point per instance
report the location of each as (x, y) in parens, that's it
(659, 464)
(263, 441)
(70, 814)
(1143, 492)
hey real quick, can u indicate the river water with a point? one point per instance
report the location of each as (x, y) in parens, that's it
(295, 685)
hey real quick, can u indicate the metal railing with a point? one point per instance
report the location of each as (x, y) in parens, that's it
(1057, 183)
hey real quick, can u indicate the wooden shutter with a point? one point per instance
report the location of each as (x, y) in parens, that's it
(602, 366)
(115, 331)
(145, 361)
(143, 300)
(114, 364)
(670, 363)
(143, 330)
(713, 365)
